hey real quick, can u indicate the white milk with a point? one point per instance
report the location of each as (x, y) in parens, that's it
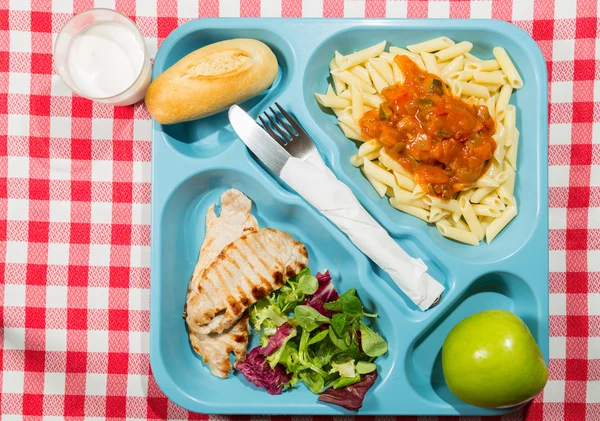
(104, 59)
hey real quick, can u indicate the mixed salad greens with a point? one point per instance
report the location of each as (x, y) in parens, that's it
(312, 335)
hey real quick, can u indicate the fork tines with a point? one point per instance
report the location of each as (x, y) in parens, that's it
(282, 123)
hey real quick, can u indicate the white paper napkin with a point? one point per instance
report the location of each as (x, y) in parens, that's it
(320, 187)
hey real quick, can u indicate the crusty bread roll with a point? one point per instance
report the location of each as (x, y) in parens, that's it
(211, 79)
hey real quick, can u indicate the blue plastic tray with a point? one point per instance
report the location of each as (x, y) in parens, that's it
(194, 162)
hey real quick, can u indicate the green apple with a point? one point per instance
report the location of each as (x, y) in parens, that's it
(490, 359)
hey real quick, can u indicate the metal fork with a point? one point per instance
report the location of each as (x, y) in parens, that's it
(279, 125)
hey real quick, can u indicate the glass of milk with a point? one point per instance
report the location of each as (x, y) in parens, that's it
(101, 55)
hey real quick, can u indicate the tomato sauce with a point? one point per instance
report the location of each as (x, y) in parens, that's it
(446, 143)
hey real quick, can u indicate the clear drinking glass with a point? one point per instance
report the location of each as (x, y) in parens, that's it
(130, 95)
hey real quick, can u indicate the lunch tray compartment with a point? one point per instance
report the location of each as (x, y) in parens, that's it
(195, 162)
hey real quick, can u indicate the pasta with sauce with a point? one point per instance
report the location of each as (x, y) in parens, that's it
(438, 132)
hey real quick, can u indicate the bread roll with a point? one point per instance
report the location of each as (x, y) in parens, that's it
(211, 79)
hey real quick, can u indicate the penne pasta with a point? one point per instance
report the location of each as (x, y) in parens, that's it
(507, 66)
(486, 210)
(455, 66)
(379, 173)
(358, 107)
(453, 51)
(494, 78)
(361, 73)
(471, 89)
(350, 133)
(510, 120)
(470, 217)
(378, 80)
(483, 66)
(384, 69)
(483, 208)
(411, 210)
(498, 224)
(368, 147)
(379, 187)
(351, 79)
(435, 214)
(430, 63)
(362, 55)
(414, 57)
(332, 101)
(511, 153)
(431, 45)
(457, 234)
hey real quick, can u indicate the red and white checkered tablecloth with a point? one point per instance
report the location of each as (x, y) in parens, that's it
(75, 207)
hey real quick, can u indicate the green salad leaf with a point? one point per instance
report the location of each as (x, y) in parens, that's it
(372, 344)
(308, 318)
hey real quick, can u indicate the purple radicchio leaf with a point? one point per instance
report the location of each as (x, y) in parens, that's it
(324, 294)
(257, 370)
(277, 340)
(349, 397)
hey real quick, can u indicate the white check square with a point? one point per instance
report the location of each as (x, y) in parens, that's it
(58, 253)
(593, 392)
(229, 8)
(522, 10)
(97, 341)
(18, 166)
(19, 83)
(14, 295)
(558, 260)
(139, 342)
(99, 255)
(59, 88)
(18, 125)
(139, 299)
(558, 347)
(354, 9)
(60, 211)
(593, 218)
(140, 256)
(60, 127)
(101, 212)
(137, 385)
(593, 259)
(102, 170)
(142, 172)
(140, 213)
(312, 8)
(18, 210)
(558, 218)
(594, 348)
(560, 134)
(60, 169)
(54, 383)
(98, 298)
(19, 5)
(562, 92)
(102, 128)
(558, 304)
(20, 41)
(146, 8)
(106, 4)
(563, 50)
(396, 9)
(13, 381)
(554, 391)
(565, 10)
(95, 384)
(594, 304)
(16, 252)
(558, 175)
(270, 9)
(62, 6)
(56, 296)
(142, 129)
(56, 340)
(438, 9)
(596, 126)
(14, 338)
(481, 9)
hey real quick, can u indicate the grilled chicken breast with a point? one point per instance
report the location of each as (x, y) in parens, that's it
(234, 220)
(245, 271)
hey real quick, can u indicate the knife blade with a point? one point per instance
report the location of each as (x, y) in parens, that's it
(271, 153)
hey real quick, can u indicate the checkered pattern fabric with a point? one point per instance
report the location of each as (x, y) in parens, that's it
(75, 194)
